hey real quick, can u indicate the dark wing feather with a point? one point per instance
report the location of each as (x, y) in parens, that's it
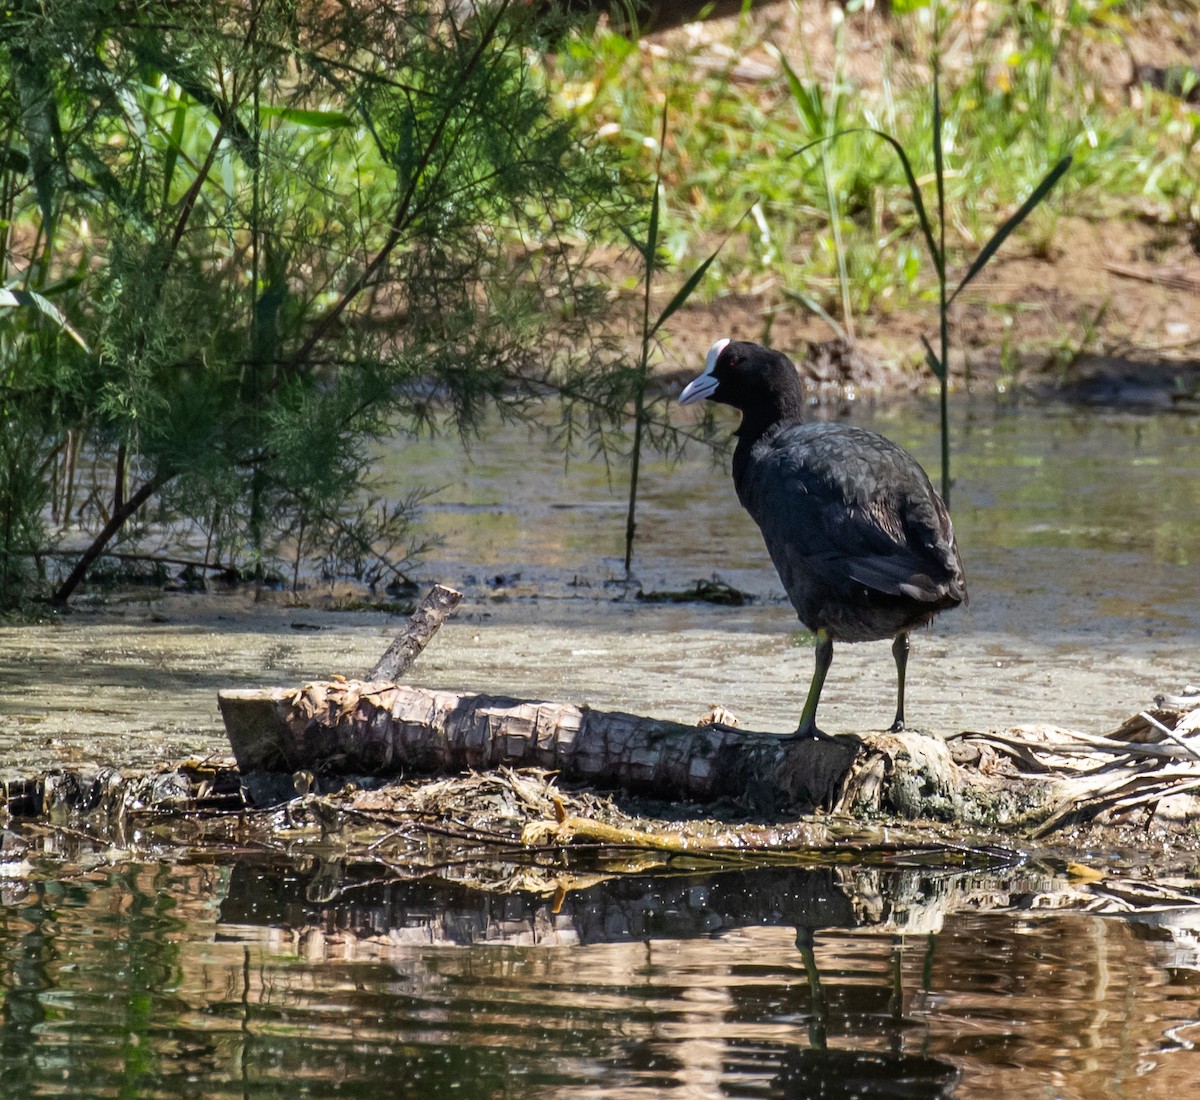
(843, 504)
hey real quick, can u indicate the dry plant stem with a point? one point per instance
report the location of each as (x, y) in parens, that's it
(424, 623)
(1174, 279)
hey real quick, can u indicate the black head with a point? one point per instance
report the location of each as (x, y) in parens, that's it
(760, 382)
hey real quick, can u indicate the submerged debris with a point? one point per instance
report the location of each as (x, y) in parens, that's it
(715, 591)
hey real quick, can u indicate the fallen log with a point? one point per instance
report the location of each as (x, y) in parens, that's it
(1036, 778)
(377, 728)
(380, 728)
(288, 741)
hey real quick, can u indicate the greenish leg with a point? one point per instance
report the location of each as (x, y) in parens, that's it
(818, 1027)
(808, 717)
(900, 652)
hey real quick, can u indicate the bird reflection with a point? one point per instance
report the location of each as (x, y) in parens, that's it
(820, 1070)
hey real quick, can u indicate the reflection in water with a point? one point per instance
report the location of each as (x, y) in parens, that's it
(200, 980)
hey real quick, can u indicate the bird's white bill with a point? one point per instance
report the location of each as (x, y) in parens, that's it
(698, 389)
(702, 387)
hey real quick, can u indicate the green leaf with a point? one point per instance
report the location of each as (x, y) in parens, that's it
(178, 128)
(30, 299)
(939, 173)
(651, 253)
(685, 291)
(818, 141)
(813, 306)
(151, 54)
(639, 245)
(904, 7)
(935, 364)
(914, 189)
(808, 98)
(316, 120)
(1002, 234)
(39, 121)
(693, 280)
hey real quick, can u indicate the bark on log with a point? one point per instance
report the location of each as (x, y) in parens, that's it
(380, 728)
(406, 647)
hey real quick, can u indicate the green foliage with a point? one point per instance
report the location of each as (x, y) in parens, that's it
(838, 232)
(282, 230)
(933, 230)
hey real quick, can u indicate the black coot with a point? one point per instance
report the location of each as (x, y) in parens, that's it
(862, 543)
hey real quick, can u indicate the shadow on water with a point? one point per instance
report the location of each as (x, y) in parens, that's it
(234, 979)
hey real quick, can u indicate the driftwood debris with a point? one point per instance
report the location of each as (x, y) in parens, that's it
(380, 728)
(1033, 778)
(451, 861)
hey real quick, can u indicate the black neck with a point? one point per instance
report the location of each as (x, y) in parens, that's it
(783, 406)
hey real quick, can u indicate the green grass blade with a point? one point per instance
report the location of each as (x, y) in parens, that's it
(693, 280)
(651, 253)
(178, 126)
(815, 142)
(914, 189)
(813, 306)
(935, 364)
(312, 119)
(684, 292)
(628, 234)
(1002, 234)
(39, 120)
(32, 300)
(807, 98)
(939, 173)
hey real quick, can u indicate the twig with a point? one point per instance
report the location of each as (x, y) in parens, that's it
(1087, 744)
(1174, 280)
(1168, 732)
(121, 555)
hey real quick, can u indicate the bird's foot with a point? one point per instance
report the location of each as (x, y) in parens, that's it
(808, 733)
(897, 726)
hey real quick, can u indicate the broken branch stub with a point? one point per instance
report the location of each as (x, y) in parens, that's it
(406, 647)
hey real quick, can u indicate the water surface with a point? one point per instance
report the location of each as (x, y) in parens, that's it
(195, 979)
(239, 976)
